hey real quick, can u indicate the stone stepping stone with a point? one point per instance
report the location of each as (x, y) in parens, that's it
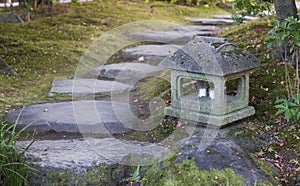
(168, 37)
(6, 69)
(78, 156)
(97, 117)
(85, 87)
(210, 21)
(125, 71)
(229, 16)
(150, 52)
(10, 18)
(194, 28)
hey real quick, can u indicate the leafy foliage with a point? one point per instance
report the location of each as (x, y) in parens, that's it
(135, 177)
(13, 170)
(249, 7)
(285, 38)
(291, 109)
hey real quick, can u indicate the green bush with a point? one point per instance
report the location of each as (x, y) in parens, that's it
(187, 173)
(284, 38)
(13, 170)
(290, 109)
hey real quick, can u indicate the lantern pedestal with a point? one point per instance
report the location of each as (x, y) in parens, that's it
(217, 121)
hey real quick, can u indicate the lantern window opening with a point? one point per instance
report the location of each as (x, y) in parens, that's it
(191, 87)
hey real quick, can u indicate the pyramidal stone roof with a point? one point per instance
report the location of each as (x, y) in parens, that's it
(213, 56)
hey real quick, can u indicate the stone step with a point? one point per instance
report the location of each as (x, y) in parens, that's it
(229, 16)
(150, 52)
(194, 28)
(210, 21)
(125, 71)
(86, 87)
(170, 37)
(101, 157)
(96, 117)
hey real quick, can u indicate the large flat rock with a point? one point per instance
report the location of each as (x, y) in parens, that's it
(170, 37)
(85, 87)
(210, 21)
(229, 16)
(194, 28)
(78, 156)
(125, 71)
(97, 117)
(216, 149)
(150, 51)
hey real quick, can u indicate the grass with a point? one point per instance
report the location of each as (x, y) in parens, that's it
(13, 169)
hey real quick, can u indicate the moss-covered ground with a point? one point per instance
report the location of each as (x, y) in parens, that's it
(51, 47)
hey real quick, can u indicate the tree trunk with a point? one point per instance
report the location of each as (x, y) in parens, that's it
(285, 8)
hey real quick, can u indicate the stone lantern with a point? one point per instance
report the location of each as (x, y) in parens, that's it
(210, 81)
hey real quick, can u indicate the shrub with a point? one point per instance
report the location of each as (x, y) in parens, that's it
(284, 37)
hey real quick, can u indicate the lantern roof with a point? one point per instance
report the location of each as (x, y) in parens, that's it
(208, 55)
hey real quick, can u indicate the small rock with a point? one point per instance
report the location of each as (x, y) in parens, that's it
(5, 69)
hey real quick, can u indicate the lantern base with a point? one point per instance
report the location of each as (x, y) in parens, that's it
(215, 120)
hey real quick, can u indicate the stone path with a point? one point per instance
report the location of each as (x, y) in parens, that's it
(169, 37)
(126, 71)
(97, 117)
(87, 87)
(104, 118)
(210, 21)
(150, 52)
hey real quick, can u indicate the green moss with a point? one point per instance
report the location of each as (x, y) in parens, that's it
(156, 85)
(102, 176)
(187, 173)
(266, 169)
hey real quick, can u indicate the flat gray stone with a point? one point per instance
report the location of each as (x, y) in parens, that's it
(194, 28)
(6, 69)
(150, 51)
(10, 18)
(125, 71)
(170, 37)
(229, 16)
(97, 117)
(78, 156)
(85, 87)
(210, 21)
